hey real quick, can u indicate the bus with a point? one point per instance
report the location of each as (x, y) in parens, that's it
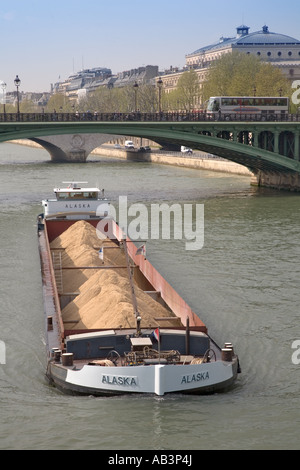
(257, 107)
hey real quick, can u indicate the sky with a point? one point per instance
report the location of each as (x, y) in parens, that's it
(44, 42)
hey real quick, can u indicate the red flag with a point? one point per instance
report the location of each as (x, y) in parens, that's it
(156, 334)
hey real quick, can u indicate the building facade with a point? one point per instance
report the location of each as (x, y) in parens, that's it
(79, 80)
(79, 85)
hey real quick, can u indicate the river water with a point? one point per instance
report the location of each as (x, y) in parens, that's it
(244, 285)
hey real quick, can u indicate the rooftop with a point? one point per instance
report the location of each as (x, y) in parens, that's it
(263, 37)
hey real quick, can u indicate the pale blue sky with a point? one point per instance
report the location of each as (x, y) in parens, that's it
(42, 40)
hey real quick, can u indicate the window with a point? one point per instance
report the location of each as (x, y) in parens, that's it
(279, 54)
(63, 195)
(269, 54)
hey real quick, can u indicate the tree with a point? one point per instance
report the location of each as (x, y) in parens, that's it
(242, 74)
(121, 100)
(27, 106)
(186, 95)
(58, 102)
(147, 98)
(271, 82)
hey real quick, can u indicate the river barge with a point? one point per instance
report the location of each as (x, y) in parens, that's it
(113, 324)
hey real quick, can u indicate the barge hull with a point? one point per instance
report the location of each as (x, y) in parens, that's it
(160, 379)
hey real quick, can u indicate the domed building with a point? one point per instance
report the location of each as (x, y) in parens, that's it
(281, 50)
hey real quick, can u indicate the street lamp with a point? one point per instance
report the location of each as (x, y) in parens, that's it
(17, 82)
(135, 86)
(3, 85)
(160, 85)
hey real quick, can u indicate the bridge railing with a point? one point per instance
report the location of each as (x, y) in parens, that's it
(142, 117)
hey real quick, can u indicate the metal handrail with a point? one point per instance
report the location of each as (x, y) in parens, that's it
(144, 117)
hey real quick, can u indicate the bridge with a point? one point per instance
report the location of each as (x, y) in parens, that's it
(271, 150)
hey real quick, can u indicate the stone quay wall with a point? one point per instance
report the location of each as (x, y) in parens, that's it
(199, 160)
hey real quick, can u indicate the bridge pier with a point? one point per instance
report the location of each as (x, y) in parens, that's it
(281, 181)
(72, 148)
(74, 156)
(62, 154)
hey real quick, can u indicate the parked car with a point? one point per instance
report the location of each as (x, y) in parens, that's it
(117, 146)
(145, 149)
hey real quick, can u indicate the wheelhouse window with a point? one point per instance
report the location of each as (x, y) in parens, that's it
(76, 195)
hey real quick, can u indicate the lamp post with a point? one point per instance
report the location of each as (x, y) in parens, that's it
(159, 85)
(135, 87)
(3, 85)
(17, 82)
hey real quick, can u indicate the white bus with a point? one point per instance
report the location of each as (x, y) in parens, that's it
(257, 107)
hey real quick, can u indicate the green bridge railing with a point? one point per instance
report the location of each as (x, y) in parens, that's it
(144, 117)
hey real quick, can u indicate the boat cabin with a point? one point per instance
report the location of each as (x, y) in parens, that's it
(75, 200)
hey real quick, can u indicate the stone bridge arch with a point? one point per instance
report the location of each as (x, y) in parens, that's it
(72, 148)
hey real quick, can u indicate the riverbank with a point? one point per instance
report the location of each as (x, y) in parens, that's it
(199, 160)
